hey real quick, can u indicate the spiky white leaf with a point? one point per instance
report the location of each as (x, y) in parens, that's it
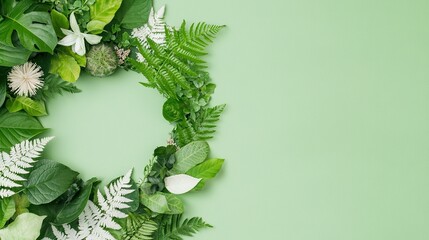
(153, 29)
(95, 220)
(15, 165)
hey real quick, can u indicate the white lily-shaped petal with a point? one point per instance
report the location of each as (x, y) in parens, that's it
(181, 183)
(76, 38)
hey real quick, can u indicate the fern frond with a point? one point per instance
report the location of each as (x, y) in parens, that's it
(207, 125)
(172, 228)
(54, 85)
(95, 220)
(14, 166)
(139, 228)
(184, 133)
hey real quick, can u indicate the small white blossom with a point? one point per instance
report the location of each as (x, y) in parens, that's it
(24, 80)
(76, 38)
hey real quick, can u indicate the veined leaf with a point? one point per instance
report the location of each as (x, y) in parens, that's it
(25, 227)
(208, 169)
(102, 13)
(17, 127)
(190, 155)
(34, 29)
(33, 108)
(133, 13)
(66, 66)
(3, 88)
(11, 55)
(47, 181)
(156, 202)
(7, 210)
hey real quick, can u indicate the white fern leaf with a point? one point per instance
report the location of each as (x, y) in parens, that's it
(15, 165)
(95, 220)
(153, 29)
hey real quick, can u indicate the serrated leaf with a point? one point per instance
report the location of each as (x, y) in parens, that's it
(47, 181)
(34, 29)
(102, 13)
(133, 13)
(17, 127)
(190, 155)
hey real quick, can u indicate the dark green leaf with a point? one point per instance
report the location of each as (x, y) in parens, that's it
(11, 55)
(133, 13)
(59, 21)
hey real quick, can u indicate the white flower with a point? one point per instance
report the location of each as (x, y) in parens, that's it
(24, 80)
(76, 38)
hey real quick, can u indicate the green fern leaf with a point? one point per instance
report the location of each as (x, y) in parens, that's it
(172, 228)
(54, 85)
(139, 228)
(207, 127)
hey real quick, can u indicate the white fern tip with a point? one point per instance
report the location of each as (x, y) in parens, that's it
(14, 166)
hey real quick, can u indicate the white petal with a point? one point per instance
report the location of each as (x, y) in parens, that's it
(66, 31)
(181, 183)
(79, 47)
(68, 40)
(92, 39)
(73, 23)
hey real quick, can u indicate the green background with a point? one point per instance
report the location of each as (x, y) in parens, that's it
(327, 127)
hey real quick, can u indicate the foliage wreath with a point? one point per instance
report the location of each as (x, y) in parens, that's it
(42, 52)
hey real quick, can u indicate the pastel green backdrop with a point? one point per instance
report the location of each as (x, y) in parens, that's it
(327, 127)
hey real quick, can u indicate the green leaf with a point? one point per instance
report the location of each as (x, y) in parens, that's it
(174, 204)
(171, 110)
(59, 21)
(138, 227)
(102, 13)
(66, 66)
(190, 155)
(171, 227)
(3, 90)
(47, 181)
(25, 227)
(81, 60)
(17, 127)
(11, 55)
(34, 29)
(72, 209)
(33, 108)
(133, 13)
(54, 85)
(156, 203)
(7, 210)
(206, 170)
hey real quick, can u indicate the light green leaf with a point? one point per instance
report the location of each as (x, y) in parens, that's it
(11, 56)
(7, 210)
(33, 108)
(59, 21)
(65, 66)
(25, 227)
(72, 209)
(174, 204)
(34, 29)
(81, 60)
(156, 202)
(190, 155)
(208, 169)
(47, 181)
(102, 13)
(17, 127)
(13, 106)
(133, 13)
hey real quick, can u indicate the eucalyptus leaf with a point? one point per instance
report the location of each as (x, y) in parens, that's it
(17, 127)
(102, 13)
(34, 29)
(133, 13)
(190, 155)
(25, 227)
(7, 210)
(47, 181)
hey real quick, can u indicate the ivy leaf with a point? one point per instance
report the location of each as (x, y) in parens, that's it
(59, 21)
(190, 155)
(47, 181)
(65, 66)
(133, 13)
(102, 13)
(25, 227)
(11, 55)
(17, 127)
(72, 210)
(7, 210)
(34, 29)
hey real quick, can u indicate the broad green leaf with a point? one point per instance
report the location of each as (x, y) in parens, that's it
(7, 210)
(81, 60)
(208, 169)
(174, 204)
(47, 181)
(13, 106)
(34, 29)
(59, 21)
(190, 155)
(17, 127)
(25, 227)
(65, 66)
(3, 92)
(156, 202)
(11, 55)
(72, 209)
(102, 13)
(33, 108)
(133, 13)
